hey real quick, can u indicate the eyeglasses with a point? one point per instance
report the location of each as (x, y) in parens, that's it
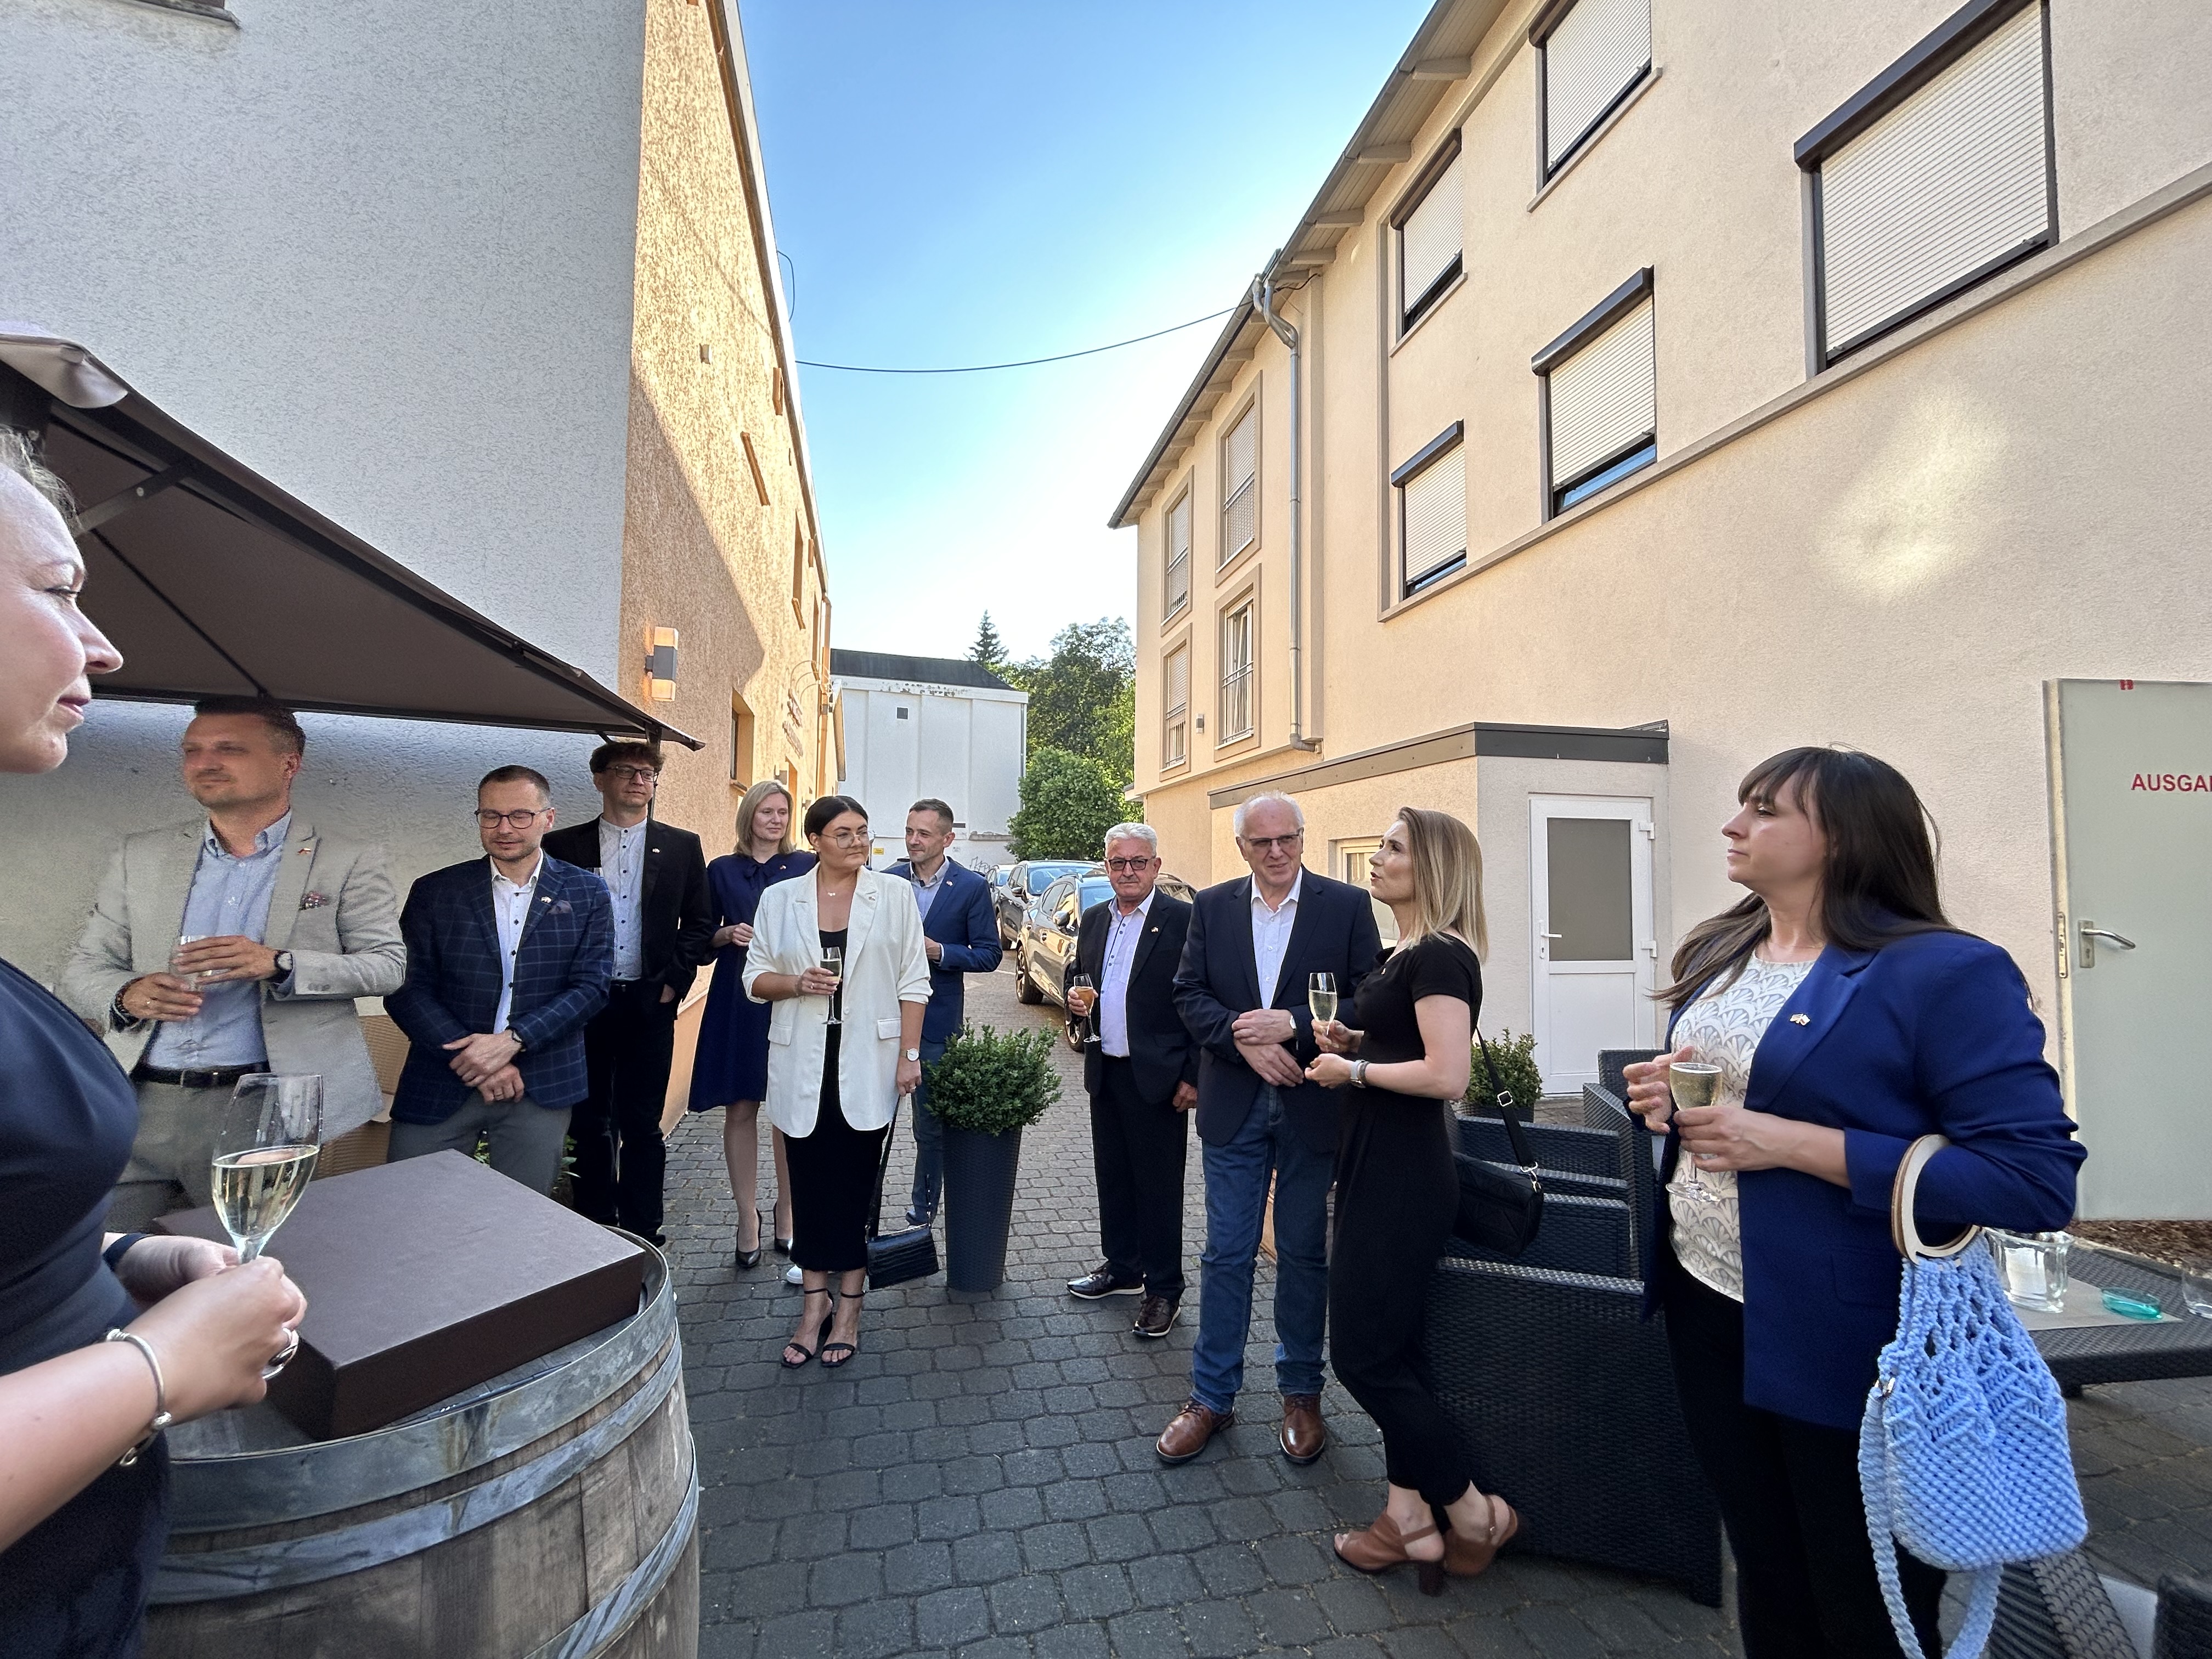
(633, 774)
(512, 820)
(1128, 867)
(1265, 844)
(845, 837)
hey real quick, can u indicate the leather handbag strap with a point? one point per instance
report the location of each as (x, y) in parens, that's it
(1521, 1155)
(883, 1174)
(1903, 1231)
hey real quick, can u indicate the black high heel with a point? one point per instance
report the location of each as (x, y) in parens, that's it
(794, 1346)
(782, 1244)
(748, 1259)
(850, 1348)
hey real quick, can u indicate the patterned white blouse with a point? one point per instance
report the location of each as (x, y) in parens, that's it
(1724, 1027)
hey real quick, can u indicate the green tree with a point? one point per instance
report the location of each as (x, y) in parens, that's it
(1083, 697)
(1068, 803)
(990, 649)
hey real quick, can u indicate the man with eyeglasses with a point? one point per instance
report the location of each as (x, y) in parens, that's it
(664, 920)
(1141, 1072)
(1247, 964)
(508, 957)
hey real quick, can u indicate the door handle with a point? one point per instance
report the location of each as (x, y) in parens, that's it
(1553, 936)
(2091, 933)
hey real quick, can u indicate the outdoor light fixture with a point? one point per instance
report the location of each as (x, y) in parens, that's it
(660, 665)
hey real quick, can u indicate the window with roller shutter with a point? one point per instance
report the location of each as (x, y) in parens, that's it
(1934, 177)
(1240, 485)
(1177, 524)
(1591, 55)
(1175, 735)
(1429, 237)
(1236, 717)
(1600, 393)
(1432, 489)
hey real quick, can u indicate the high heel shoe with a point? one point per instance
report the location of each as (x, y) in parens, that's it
(747, 1259)
(1382, 1546)
(805, 1354)
(782, 1243)
(1465, 1555)
(850, 1348)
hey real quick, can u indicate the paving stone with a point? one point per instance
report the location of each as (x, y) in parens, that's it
(1020, 1605)
(1218, 1630)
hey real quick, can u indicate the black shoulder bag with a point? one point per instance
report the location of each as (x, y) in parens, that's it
(1500, 1208)
(910, 1253)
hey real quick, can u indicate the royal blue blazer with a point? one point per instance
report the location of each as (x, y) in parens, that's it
(962, 921)
(561, 975)
(1931, 1035)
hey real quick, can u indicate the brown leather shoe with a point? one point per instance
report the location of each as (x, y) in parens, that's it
(1195, 1425)
(1466, 1556)
(1156, 1316)
(1304, 1436)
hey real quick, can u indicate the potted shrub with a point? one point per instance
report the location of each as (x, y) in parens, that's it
(986, 1089)
(1518, 1074)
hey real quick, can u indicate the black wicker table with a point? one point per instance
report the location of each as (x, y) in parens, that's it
(2134, 1353)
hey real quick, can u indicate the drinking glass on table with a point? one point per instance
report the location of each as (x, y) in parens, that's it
(1078, 984)
(265, 1146)
(833, 963)
(1320, 997)
(1695, 1084)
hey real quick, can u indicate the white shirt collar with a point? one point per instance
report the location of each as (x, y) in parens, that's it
(1260, 904)
(1118, 917)
(499, 879)
(269, 837)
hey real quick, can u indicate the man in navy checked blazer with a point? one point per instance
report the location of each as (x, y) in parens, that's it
(508, 957)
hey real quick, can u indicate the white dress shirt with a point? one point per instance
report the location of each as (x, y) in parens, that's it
(1123, 934)
(510, 914)
(622, 867)
(1271, 935)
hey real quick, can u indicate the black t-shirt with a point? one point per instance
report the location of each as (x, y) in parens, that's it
(1436, 966)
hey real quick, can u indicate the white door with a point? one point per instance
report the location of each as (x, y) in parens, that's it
(2131, 780)
(1589, 900)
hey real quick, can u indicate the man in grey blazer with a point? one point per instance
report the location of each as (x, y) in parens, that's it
(290, 925)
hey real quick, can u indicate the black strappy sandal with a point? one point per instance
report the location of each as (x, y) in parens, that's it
(850, 1348)
(806, 1354)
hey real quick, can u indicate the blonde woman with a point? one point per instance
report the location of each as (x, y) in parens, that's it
(730, 1069)
(1397, 1191)
(844, 1046)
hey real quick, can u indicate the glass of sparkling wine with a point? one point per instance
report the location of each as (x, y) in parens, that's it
(1082, 982)
(1694, 1084)
(264, 1153)
(1320, 997)
(833, 963)
(194, 980)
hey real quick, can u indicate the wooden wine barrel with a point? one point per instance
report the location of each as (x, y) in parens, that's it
(553, 1515)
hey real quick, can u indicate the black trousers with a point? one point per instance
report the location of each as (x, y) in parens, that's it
(834, 1170)
(628, 1049)
(1140, 1148)
(1789, 1494)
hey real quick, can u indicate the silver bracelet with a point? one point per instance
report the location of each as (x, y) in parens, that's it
(161, 1418)
(1360, 1074)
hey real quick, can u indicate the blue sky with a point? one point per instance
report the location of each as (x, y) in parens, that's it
(968, 182)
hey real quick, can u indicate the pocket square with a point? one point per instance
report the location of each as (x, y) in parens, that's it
(312, 900)
(562, 908)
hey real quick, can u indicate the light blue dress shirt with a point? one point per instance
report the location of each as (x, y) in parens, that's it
(228, 895)
(926, 892)
(622, 866)
(1123, 934)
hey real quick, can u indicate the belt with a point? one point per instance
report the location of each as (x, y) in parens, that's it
(218, 1077)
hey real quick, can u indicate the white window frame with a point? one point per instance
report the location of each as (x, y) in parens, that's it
(1232, 492)
(1350, 858)
(1893, 94)
(1541, 33)
(1442, 170)
(1440, 450)
(1239, 682)
(1633, 295)
(1174, 718)
(1174, 603)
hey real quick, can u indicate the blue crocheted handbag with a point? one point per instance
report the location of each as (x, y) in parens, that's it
(1963, 1457)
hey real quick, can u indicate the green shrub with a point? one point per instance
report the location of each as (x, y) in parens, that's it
(993, 1082)
(1518, 1073)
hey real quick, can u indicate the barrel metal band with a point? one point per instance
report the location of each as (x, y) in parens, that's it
(599, 1627)
(218, 1575)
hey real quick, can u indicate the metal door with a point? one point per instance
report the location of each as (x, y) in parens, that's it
(1589, 899)
(2132, 819)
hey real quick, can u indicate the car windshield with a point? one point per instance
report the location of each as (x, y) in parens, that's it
(1042, 876)
(1095, 891)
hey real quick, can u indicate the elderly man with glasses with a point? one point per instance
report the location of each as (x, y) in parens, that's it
(1141, 1070)
(508, 957)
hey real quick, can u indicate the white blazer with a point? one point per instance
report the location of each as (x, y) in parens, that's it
(884, 966)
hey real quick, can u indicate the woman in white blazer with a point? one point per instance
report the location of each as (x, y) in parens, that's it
(832, 1087)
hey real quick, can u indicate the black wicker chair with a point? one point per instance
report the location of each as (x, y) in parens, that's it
(2185, 1618)
(1579, 1235)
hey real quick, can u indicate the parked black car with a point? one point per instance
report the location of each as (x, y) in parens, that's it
(1024, 883)
(1045, 945)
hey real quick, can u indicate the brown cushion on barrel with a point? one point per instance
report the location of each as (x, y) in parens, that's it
(427, 1277)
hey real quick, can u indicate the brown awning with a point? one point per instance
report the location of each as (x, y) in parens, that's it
(213, 581)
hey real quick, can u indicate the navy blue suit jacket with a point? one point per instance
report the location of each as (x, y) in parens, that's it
(1931, 1035)
(561, 975)
(962, 921)
(1219, 979)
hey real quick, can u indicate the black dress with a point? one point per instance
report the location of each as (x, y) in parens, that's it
(730, 1062)
(833, 1170)
(77, 1583)
(1397, 1192)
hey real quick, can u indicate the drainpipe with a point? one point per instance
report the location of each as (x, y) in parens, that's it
(1263, 299)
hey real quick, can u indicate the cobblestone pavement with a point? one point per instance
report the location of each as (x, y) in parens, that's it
(980, 1479)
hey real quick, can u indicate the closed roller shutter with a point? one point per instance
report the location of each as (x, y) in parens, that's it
(1604, 399)
(1175, 741)
(1178, 556)
(1240, 503)
(1434, 509)
(1955, 180)
(1429, 243)
(1596, 53)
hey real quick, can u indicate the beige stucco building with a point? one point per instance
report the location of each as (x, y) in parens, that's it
(1679, 380)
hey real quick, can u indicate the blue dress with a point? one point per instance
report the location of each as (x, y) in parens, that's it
(731, 1059)
(77, 1582)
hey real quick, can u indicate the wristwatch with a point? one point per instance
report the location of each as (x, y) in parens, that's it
(912, 1054)
(283, 965)
(1360, 1074)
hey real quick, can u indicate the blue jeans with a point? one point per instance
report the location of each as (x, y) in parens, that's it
(1236, 1203)
(928, 1141)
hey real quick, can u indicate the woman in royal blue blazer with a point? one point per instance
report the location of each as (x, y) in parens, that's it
(1849, 1018)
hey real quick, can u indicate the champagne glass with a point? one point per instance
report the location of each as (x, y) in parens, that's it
(1320, 997)
(265, 1146)
(833, 963)
(194, 980)
(1694, 1084)
(1082, 982)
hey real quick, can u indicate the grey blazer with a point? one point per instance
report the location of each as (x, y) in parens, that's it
(334, 910)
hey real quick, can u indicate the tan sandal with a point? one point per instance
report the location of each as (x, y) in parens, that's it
(1382, 1546)
(1466, 1556)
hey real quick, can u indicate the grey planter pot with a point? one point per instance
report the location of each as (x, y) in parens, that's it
(978, 1205)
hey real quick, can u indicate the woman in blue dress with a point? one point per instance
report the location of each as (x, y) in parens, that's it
(730, 1069)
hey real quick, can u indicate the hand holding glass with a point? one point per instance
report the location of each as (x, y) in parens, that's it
(833, 963)
(265, 1146)
(1320, 997)
(1078, 984)
(1695, 1084)
(195, 979)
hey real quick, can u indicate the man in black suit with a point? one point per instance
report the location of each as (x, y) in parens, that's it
(664, 920)
(1141, 1071)
(1241, 991)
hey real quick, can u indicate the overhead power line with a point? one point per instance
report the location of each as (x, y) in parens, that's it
(1026, 362)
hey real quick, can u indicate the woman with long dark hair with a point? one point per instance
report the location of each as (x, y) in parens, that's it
(1848, 1018)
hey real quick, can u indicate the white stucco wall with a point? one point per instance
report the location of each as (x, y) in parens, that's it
(382, 253)
(963, 745)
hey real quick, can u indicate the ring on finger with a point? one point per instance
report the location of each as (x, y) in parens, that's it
(283, 1355)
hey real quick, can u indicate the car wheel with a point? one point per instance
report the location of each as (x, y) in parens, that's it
(1025, 990)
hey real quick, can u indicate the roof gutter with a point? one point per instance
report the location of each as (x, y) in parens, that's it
(1263, 301)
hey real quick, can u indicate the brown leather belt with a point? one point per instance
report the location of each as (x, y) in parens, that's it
(221, 1077)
